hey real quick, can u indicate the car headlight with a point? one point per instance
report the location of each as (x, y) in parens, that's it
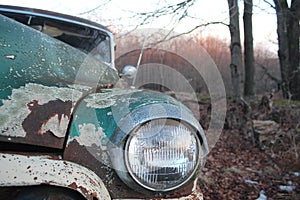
(158, 146)
(162, 154)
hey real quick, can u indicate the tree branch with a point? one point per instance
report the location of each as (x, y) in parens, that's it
(92, 10)
(270, 4)
(266, 71)
(187, 32)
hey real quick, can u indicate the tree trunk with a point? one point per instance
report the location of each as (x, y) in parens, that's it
(249, 86)
(288, 43)
(293, 41)
(283, 52)
(235, 48)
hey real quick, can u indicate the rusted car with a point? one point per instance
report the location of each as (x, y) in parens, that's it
(67, 133)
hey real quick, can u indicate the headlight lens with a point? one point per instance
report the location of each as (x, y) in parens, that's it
(162, 154)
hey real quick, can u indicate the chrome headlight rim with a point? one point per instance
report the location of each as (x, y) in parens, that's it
(140, 116)
(176, 184)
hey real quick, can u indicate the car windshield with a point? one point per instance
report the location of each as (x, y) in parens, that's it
(89, 40)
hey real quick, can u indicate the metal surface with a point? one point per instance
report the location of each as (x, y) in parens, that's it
(37, 114)
(117, 189)
(196, 194)
(113, 110)
(102, 120)
(45, 61)
(64, 18)
(21, 170)
(44, 84)
(155, 111)
(140, 116)
(129, 71)
(40, 83)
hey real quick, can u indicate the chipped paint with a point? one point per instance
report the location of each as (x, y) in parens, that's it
(89, 135)
(96, 102)
(56, 125)
(40, 115)
(12, 57)
(196, 194)
(20, 170)
(24, 102)
(34, 110)
(107, 98)
(89, 117)
(79, 87)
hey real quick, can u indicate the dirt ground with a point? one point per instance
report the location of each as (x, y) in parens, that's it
(237, 168)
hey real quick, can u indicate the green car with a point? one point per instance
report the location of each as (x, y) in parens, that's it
(66, 130)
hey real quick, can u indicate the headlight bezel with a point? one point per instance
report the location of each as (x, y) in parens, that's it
(141, 116)
(161, 158)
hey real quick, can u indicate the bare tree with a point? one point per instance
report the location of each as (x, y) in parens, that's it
(178, 10)
(249, 86)
(235, 48)
(288, 31)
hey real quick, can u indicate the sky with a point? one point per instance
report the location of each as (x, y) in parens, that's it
(119, 13)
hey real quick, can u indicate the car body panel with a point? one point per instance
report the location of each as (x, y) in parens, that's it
(42, 82)
(31, 13)
(97, 123)
(58, 102)
(110, 106)
(36, 170)
(56, 172)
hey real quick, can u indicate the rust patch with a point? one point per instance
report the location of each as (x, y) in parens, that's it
(41, 114)
(73, 185)
(84, 190)
(117, 189)
(94, 195)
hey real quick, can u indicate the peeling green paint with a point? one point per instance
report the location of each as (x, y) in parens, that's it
(106, 109)
(39, 58)
(15, 109)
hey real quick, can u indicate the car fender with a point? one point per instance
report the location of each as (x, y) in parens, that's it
(22, 170)
(102, 120)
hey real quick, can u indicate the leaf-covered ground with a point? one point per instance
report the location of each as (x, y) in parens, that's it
(236, 168)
